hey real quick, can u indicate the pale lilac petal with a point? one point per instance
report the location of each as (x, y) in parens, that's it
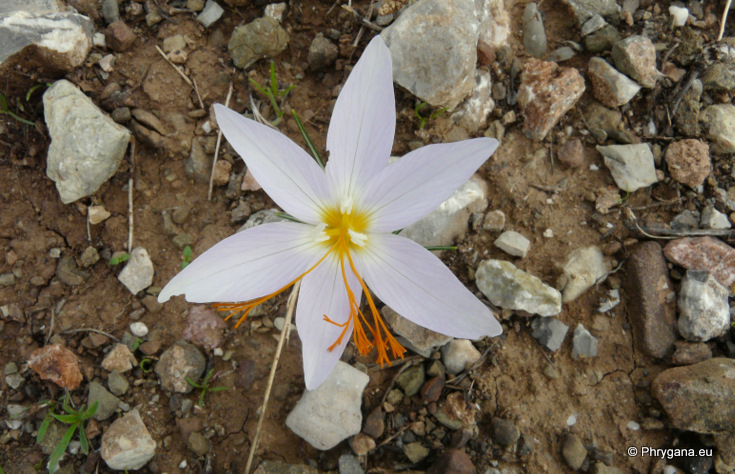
(248, 265)
(413, 186)
(417, 285)
(286, 172)
(361, 131)
(323, 292)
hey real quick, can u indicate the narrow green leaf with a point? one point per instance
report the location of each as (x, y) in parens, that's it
(218, 389)
(187, 251)
(67, 419)
(53, 461)
(274, 83)
(432, 248)
(255, 84)
(289, 217)
(89, 413)
(42, 429)
(307, 139)
(83, 441)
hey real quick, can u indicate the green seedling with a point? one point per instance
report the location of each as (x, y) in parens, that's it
(75, 419)
(118, 259)
(4, 109)
(185, 257)
(272, 92)
(204, 386)
(424, 120)
(307, 139)
(146, 365)
(137, 343)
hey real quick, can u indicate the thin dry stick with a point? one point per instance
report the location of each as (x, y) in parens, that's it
(130, 196)
(191, 82)
(216, 147)
(276, 357)
(724, 19)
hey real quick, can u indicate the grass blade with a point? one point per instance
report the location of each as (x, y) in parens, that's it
(309, 143)
(53, 460)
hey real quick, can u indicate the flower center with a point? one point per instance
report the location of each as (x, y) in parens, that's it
(344, 223)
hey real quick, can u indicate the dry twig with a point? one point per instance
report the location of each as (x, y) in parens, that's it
(724, 19)
(191, 82)
(216, 148)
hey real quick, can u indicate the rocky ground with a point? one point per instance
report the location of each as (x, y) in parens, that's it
(599, 231)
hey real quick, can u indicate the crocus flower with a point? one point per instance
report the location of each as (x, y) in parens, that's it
(344, 242)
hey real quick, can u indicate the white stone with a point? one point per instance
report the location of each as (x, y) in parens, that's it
(326, 416)
(459, 354)
(513, 243)
(494, 22)
(211, 13)
(583, 268)
(714, 219)
(593, 24)
(86, 147)
(473, 112)
(107, 62)
(139, 329)
(275, 11)
(449, 221)
(138, 272)
(611, 87)
(632, 166)
(584, 344)
(127, 444)
(423, 60)
(718, 121)
(679, 14)
(97, 214)
(7, 7)
(508, 287)
(704, 312)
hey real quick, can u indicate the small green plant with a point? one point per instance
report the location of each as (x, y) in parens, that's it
(204, 386)
(146, 365)
(118, 259)
(75, 419)
(273, 93)
(137, 343)
(423, 120)
(5, 109)
(185, 257)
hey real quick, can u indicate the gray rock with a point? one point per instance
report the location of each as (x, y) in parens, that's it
(699, 397)
(720, 76)
(127, 444)
(331, 413)
(138, 272)
(586, 9)
(211, 13)
(110, 11)
(14, 381)
(584, 344)
(449, 221)
(595, 23)
(266, 216)
(505, 432)
(107, 402)
(549, 332)
(494, 221)
(422, 62)
(7, 279)
(52, 40)
(686, 220)
(261, 38)
(704, 312)
(411, 380)
(204, 327)
(574, 452)
(322, 53)
(67, 272)
(508, 287)
(117, 383)
(602, 39)
(610, 86)
(534, 36)
(583, 268)
(636, 57)
(472, 113)
(718, 122)
(198, 165)
(348, 464)
(423, 340)
(513, 243)
(89, 257)
(686, 117)
(713, 219)
(7, 7)
(632, 166)
(494, 22)
(561, 54)
(178, 362)
(415, 452)
(459, 354)
(86, 145)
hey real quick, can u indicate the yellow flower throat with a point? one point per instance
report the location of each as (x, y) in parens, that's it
(341, 232)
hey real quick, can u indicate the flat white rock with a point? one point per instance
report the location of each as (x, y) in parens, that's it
(138, 272)
(632, 166)
(127, 444)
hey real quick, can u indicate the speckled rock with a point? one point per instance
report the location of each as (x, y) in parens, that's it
(138, 272)
(458, 354)
(718, 122)
(322, 53)
(704, 253)
(704, 312)
(546, 93)
(688, 162)
(119, 359)
(632, 166)
(261, 38)
(57, 364)
(204, 327)
(688, 353)
(610, 86)
(178, 362)
(508, 287)
(127, 444)
(586, 9)
(635, 56)
(583, 268)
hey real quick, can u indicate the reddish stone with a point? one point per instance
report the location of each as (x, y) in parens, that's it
(485, 54)
(119, 37)
(204, 326)
(571, 153)
(688, 162)
(546, 93)
(57, 364)
(704, 253)
(454, 461)
(432, 389)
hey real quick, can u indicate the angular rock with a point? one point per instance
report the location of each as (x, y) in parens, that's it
(411, 380)
(574, 452)
(610, 86)
(204, 327)
(584, 344)
(127, 444)
(422, 63)
(322, 53)
(571, 153)
(635, 56)
(549, 332)
(651, 296)
(67, 272)
(459, 354)
(704, 253)
(51, 40)
(106, 402)
(138, 272)
(583, 268)
(449, 221)
(713, 219)
(602, 39)
(119, 36)
(110, 11)
(178, 362)
(586, 9)
(86, 145)
(688, 353)
(546, 93)
(508, 287)
(513, 243)
(595, 23)
(330, 413)
(494, 221)
(688, 162)
(632, 166)
(686, 117)
(117, 383)
(452, 460)
(472, 113)
(422, 339)
(210, 14)
(534, 35)
(699, 397)
(57, 364)
(375, 423)
(718, 121)
(348, 464)
(261, 38)
(704, 312)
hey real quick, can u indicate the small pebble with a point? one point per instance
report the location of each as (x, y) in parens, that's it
(139, 329)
